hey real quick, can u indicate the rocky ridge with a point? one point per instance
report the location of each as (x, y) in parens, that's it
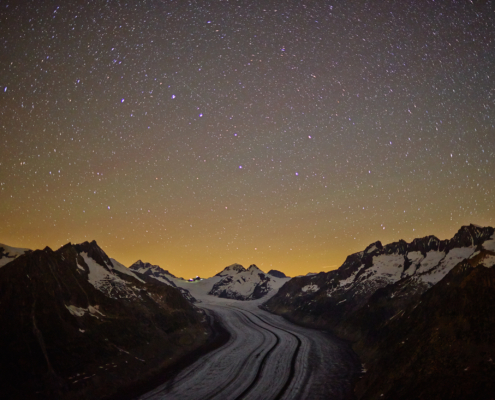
(150, 273)
(401, 270)
(437, 291)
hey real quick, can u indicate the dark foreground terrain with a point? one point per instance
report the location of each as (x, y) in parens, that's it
(75, 325)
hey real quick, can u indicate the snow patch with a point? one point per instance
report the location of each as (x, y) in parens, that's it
(123, 269)
(488, 245)
(76, 311)
(430, 261)
(388, 266)
(451, 259)
(371, 249)
(310, 288)
(105, 281)
(79, 311)
(488, 261)
(351, 278)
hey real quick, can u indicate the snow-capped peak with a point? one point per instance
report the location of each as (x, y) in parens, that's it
(254, 269)
(153, 271)
(232, 269)
(245, 284)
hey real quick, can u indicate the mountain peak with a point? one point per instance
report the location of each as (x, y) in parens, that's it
(277, 274)
(94, 251)
(234, 268)
(143, 267)
(373, 246)
(471, 235)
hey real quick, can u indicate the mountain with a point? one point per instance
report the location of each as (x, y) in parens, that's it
(277, 274)
(77, 324)
(153, 271)
(419, 314)
(443, 346)
(148, 271)
(392, 276)
(239, 283)
(8, 254)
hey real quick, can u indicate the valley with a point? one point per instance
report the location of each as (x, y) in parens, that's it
(395, 321)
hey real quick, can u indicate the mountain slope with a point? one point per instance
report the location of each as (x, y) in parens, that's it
(76, 324)
(420, 314)
(150, 272)
(153, 271)
(441, 347)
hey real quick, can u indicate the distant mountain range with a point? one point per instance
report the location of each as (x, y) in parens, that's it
(233, 282)
(420, 314)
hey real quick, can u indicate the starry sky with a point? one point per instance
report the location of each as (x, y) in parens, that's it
(289, 134)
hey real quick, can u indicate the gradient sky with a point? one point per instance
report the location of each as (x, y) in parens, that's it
(289, 134)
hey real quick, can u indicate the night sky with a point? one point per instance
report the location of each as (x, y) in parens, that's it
(289, 134)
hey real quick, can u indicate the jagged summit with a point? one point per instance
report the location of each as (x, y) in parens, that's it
(244, 284)
(373, 247)
(92, 250)
(142, 267)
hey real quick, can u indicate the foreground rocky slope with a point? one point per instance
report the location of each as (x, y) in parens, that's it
(76, 324)
(443, 347)
(399, 282)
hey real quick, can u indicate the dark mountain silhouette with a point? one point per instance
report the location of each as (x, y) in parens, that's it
(76, 324)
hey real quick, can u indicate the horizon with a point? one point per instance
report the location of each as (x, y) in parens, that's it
(186, 273)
